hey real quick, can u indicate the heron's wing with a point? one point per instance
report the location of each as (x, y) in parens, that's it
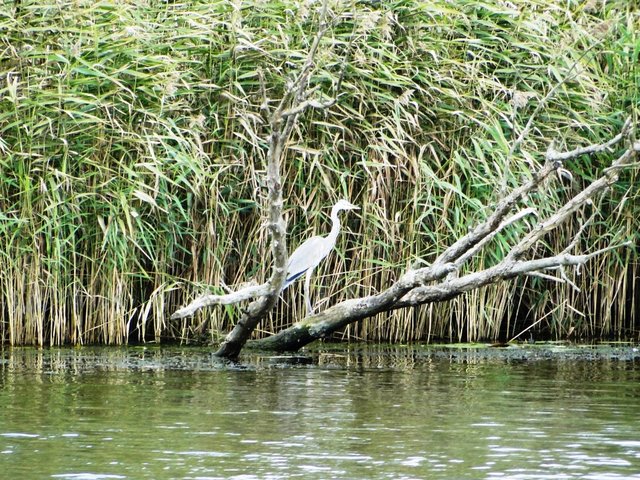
(306, 256)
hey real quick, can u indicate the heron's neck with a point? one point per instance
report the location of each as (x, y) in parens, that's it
(335, 226)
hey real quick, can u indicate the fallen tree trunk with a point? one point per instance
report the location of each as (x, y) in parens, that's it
(408, 292)
(439, 282)
(324, 324)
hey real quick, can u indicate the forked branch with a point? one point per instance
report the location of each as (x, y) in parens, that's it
(437, 282)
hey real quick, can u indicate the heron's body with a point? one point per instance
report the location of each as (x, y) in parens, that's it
(300, 262)
(313, 250)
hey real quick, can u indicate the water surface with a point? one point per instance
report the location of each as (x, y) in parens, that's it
(352, 413)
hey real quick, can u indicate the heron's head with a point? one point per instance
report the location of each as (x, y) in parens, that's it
(344, 205)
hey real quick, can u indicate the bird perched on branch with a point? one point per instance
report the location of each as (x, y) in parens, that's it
(309, 255)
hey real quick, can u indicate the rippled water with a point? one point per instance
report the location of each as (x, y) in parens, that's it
(361, 413)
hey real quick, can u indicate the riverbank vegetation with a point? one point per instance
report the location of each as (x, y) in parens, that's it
(132, 149)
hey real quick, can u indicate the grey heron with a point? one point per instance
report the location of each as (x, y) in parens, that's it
(309, 255)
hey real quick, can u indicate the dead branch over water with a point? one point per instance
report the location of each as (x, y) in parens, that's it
(412, 289)
(435, 283)
(439, 282)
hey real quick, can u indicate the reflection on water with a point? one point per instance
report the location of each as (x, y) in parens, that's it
(364, 413)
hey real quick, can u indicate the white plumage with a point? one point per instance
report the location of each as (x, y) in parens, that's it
(311, 252)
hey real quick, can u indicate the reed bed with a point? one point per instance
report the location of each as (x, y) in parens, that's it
(132, 158)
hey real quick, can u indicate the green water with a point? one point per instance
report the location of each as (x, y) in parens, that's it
(346, 414)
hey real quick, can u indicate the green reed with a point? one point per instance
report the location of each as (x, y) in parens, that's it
(132, 158)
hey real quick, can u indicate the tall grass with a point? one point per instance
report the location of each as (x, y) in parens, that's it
(132, 157)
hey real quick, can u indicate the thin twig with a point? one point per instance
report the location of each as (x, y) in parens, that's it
(553, 156)
(533, 324)
(576, 237)
(544, 276)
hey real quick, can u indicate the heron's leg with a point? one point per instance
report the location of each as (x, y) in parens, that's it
(307, 295)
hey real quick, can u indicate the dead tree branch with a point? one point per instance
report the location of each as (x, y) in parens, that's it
(412, 289)
(437, 282)
(503, 271)
(282, 121)
(242, 295)
(473, 242)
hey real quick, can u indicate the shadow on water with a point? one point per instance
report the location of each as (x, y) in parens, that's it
(369, 412)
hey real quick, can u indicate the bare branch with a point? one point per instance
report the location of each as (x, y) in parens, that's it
(567, 280)
(297, 92)
(545, 276)
(413, 288)
(509, 221)
(553, 156)
(504, 206)
(282, 122)
(228, 299)
(317, 104)
(281, 128)
(461, 246)
(576, 237)
(571, 206)
(506, 269)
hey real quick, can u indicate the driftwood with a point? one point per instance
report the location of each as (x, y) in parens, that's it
(434, 283)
